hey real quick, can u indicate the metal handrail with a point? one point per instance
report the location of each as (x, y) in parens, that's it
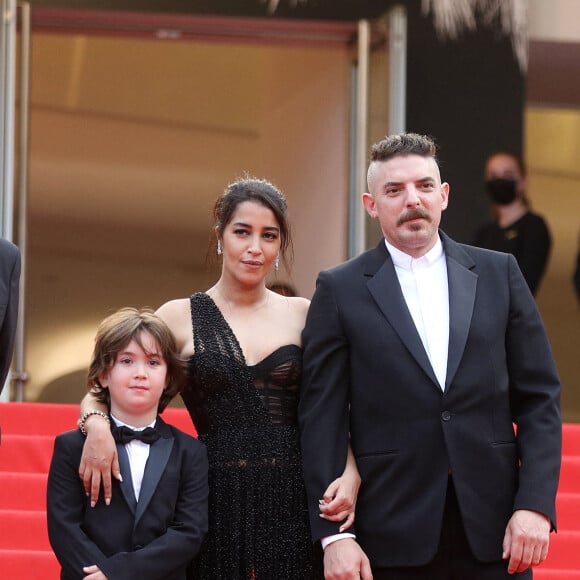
(19, 375)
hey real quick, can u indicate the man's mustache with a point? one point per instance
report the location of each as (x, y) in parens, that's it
(414, 214)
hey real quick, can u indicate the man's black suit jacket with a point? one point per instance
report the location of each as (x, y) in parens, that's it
(9, 281)
(367, 374)
(154, 538)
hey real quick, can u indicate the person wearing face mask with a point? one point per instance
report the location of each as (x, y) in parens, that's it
(515, 228)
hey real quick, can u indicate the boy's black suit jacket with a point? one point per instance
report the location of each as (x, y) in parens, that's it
(154, 538)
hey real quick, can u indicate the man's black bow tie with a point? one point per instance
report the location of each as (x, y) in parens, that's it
(126, 435)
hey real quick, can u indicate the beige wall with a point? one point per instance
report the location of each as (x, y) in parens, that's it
(131, 143)
(305, 149)
(556, 20)
(552, 150)
(124, 172)
(553, 154)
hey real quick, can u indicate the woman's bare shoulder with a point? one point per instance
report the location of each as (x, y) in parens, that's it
(177, 315)
(294, 308)
(175, 312)
(176, 306)
(300, 305)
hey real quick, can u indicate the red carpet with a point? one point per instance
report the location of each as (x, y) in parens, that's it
(28, 431)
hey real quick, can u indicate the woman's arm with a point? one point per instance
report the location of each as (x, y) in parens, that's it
(99, 458)
(339, 500)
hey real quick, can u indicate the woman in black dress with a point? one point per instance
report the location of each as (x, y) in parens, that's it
(243, 344)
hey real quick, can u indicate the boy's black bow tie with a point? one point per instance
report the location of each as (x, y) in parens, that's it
(126, 435)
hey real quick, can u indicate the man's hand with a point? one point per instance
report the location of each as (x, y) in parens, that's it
(99, 458)
(526, 540)
(93, 573)
(345, 560)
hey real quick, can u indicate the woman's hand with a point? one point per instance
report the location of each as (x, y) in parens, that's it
(93, 573)
(339, 500)
(99, 459)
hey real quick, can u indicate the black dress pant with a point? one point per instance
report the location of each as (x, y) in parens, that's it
(454, 559)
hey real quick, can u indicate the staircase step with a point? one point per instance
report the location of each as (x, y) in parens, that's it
(541, 573)
(568, 510)
(28, 432)
(26, 453)
(53, 418)
(23, 530)
(28, 565)
(570, 474)
(37, 418)
(564, 553)
(22, 491)
(571, 439)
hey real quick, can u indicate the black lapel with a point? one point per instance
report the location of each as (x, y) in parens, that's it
(462, 288)
(127, 483)
(386, 291)
(158, 456)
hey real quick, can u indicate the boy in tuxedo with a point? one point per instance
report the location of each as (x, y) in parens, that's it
(155, 523)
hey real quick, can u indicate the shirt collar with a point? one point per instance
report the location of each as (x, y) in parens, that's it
(405, 261)
(121, 424)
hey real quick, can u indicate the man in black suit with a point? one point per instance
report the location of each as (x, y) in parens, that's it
(157, 518)
(9, 280)
(426, 353)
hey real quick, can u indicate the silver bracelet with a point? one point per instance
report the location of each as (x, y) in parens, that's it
(81, 422)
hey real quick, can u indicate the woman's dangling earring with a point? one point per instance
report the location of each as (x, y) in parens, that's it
(219, 248)
(277, 262)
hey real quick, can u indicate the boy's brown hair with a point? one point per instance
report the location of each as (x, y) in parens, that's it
(117, 331)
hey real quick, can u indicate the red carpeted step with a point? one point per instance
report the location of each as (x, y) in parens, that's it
(54, 418)
(28, 437)
(570, 474)
(26, 453)
(568, 510)
(22, 491)
(23, 530)
(179, 418)
(564, 551)
(28, 565)
(543, 573)
(37, 418)
(571, 439)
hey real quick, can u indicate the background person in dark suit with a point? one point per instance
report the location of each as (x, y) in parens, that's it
(9, 280)
(426, 352)
(157, 518)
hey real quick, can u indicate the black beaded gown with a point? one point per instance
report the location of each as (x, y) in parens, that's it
(246, 415)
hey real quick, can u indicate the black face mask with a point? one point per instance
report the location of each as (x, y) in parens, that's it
(501, 191)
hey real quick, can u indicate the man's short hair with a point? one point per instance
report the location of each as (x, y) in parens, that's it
(404, 144)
